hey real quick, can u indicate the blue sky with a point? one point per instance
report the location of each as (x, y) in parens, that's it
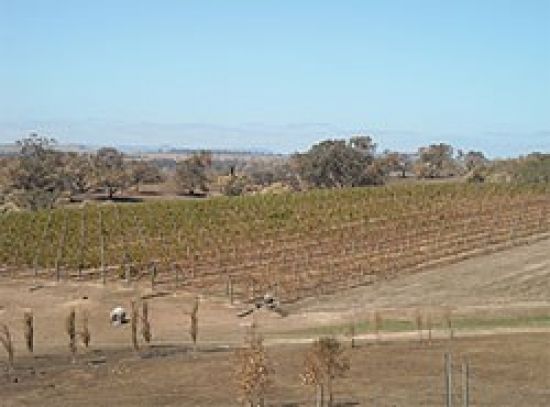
(278, 74)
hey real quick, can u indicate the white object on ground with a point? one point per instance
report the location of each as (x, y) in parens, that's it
(118, 316)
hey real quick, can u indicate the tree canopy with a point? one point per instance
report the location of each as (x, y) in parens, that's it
(192, 173)
(339, 163)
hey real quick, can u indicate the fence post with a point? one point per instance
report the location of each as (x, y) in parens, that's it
(465, 383)
(230, 289)
(177, 274)
(448, 381)
(153, 274)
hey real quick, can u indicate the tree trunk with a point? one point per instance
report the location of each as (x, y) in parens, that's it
(319, 397)
(329, 389)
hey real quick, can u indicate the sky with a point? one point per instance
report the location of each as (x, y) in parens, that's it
(278, 75)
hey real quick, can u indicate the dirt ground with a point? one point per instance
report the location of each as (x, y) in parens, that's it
(510, 370)
(507, 369)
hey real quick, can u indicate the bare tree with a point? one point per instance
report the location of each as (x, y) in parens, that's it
(252, 370)
(324, 362)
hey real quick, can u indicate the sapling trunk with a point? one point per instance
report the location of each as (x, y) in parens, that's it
(429, 327)
(71, 332)
(29, 330)
(194, 328)
(145, 325)
(418, 323)
(377, 324)
(7, 343)
(449, 323)
(85, 334)
(134, 322)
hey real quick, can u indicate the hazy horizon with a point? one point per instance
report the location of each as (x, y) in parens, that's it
(282, 139)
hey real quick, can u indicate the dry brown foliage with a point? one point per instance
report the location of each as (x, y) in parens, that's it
(324, 362)
(252, 369)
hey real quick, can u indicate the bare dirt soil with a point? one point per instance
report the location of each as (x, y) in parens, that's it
(507, 369)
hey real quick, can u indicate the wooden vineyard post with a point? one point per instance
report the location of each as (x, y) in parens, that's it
(429, 326)
(153, 268)
(176, 271)
(465, 383)
(102, 248)
(61, 248)
(230, 289)
(297, 283)
(134, 321)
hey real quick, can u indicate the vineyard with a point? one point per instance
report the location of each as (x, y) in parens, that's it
(292, 245)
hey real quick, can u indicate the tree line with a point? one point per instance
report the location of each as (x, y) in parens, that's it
(40, 175)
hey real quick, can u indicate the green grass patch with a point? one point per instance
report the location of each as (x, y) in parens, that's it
(404, 325)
